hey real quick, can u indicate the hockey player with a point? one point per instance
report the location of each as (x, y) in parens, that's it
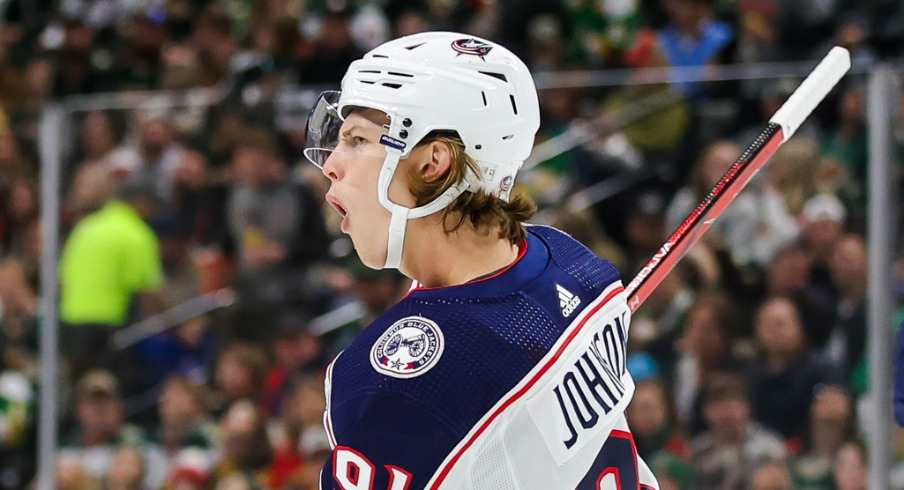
(504, 366)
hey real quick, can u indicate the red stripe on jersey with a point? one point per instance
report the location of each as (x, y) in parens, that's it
(524, 389)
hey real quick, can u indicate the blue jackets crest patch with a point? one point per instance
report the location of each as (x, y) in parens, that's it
(408, 348)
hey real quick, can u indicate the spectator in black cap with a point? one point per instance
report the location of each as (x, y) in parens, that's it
(101, 426)
(644, 228)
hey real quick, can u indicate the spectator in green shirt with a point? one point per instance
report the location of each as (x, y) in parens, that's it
(111, 256)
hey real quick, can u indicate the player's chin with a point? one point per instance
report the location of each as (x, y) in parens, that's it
(371, 262)
(370, 250)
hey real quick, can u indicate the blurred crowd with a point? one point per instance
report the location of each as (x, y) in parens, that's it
(749, 358)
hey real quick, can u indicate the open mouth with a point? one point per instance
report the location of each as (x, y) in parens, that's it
(336, 205)
(344, 224)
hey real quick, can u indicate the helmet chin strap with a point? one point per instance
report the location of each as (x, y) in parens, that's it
(397, 226)
(401, 214)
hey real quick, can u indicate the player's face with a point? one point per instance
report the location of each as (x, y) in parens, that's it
(353, 168)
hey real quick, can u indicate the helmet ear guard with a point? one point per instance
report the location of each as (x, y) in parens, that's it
(438, 81)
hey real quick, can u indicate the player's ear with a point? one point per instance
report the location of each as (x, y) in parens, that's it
(436, 161)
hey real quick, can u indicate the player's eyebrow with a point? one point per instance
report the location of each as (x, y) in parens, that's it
(347, 132)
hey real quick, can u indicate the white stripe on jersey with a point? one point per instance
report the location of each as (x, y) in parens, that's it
(523, 441)
(328, 390)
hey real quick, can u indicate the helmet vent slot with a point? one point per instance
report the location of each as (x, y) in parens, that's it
(498, 76)
(414, 46)
(406, 75)
(484, 95)
(369, 71)
(391, 85)
(508, 137)
(514, 105)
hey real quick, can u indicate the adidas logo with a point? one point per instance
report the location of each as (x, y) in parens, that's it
(568, 302)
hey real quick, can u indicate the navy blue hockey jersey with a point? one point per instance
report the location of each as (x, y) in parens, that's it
(517, 381)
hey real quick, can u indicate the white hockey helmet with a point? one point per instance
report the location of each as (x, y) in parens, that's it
(436, 81)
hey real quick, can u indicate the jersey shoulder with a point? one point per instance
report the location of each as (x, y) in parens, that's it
(463, 347)
(574, 259)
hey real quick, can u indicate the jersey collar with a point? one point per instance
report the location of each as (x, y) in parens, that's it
(532, 260)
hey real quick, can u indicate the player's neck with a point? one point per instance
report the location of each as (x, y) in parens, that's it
(436, 259)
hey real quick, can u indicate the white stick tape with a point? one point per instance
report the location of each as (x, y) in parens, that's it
(811, 92)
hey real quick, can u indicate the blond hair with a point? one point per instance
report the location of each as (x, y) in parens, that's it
(484, 211)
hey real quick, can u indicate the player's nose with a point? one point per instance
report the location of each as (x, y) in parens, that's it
(332, 166)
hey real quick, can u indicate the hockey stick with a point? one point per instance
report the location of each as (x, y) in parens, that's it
(781, 127)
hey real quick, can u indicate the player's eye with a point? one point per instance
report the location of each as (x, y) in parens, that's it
(359, 141)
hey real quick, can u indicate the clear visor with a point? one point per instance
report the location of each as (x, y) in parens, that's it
(324, 134)
(324, 122)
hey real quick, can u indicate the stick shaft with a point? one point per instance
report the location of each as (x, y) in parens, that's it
(782, 126)
(701, 218)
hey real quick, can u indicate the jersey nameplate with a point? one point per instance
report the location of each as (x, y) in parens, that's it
(408, 348)
(590, 388)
